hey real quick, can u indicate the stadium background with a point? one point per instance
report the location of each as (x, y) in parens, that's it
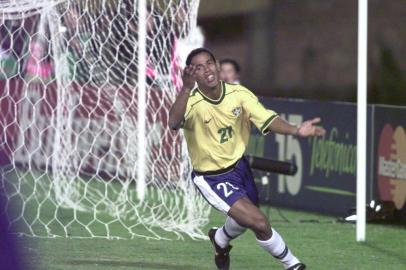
(310, 46)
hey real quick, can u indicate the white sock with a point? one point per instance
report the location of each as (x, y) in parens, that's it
(232, 228)
(229, 231)
(277, 248)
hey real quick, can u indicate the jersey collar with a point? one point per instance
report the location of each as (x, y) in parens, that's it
(215, 101)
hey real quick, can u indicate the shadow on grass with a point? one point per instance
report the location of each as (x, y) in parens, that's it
(398, 256)
(132, 264)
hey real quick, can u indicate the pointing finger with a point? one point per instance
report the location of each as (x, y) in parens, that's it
(315, 120)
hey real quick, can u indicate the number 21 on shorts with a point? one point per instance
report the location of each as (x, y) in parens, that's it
(227, 188)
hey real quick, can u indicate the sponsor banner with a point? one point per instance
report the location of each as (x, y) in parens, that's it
(390, 155)
(326, 178)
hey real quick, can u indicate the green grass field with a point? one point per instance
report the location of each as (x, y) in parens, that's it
(319, 241)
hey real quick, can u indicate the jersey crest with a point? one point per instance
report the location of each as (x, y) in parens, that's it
(236, 111)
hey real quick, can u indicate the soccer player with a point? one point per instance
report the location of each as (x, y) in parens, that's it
(230, 71)
(216, 119)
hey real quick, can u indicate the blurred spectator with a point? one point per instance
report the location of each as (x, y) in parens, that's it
(8, 64)
(13, 34)
(230, 71)
(39, 66)
(80, 57)
(10, 36)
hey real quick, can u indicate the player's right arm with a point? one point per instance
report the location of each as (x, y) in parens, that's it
(178, 109)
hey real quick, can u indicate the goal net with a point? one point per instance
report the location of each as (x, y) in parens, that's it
(68, 125)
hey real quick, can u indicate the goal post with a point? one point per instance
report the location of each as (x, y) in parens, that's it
(84, 119)
(362, 119)
(142, 76)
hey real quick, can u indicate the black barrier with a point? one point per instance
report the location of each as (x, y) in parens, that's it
(273, 166)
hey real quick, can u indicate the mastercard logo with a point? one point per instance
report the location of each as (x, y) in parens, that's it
(392, 165)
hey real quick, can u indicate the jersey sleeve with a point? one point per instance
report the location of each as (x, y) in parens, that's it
(187, 118)
(257, 113)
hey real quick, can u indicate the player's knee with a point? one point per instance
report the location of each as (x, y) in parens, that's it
(261, 226)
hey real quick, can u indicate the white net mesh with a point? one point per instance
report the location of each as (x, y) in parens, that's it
(68, 85)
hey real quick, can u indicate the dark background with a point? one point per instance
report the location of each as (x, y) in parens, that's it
(308, 48)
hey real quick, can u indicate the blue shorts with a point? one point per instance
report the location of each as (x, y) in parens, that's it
(223, 189)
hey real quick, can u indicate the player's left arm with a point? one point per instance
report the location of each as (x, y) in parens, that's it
(305, 129)
(268, 120)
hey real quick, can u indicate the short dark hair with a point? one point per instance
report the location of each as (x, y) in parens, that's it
(231, 62)
(196, 52)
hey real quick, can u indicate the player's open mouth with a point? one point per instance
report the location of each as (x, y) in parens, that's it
(210, 78)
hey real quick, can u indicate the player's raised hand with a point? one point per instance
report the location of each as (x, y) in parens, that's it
(188, 77)
(309, 128)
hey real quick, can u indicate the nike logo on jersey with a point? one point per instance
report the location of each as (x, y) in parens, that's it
(207, 121)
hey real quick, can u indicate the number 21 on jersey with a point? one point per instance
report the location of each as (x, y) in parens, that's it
(225, 133)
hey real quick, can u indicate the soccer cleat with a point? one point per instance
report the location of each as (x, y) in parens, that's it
(221, 255)
(298, 266)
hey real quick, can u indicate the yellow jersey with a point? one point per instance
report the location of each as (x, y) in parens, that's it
(217, 131)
